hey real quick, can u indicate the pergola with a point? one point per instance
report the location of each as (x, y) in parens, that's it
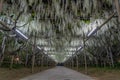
(58, 29)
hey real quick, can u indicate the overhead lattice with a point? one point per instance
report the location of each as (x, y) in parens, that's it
(59, 24)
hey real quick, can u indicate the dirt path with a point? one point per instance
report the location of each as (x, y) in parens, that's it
(58, 73)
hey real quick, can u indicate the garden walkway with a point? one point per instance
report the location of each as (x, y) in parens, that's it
(58, 73)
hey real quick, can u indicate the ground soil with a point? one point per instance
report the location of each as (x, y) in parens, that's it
(96, 73)
(102, 73)
(16, 74)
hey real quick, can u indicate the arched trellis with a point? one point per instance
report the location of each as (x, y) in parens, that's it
(91, 34)
(17, 34)
(57, 20)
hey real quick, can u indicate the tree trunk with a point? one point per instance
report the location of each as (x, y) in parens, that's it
(96, 62)
(77, 63)
(47, 62)
(104, 63)
(72, 63)
(85, 57)
(1, 3)
(2, 56)
(42, 62)
(33, 62)
(117, 4)
(33, 53)
(26, 60)
(3, 50)
(111, 57)
(12, 60)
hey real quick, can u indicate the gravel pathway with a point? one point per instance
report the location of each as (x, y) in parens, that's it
(58, 73)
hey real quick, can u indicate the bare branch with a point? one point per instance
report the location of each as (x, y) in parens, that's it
(5, 26)
(18, 18)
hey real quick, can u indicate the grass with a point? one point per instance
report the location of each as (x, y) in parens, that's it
(17, 74)
(102, 73)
